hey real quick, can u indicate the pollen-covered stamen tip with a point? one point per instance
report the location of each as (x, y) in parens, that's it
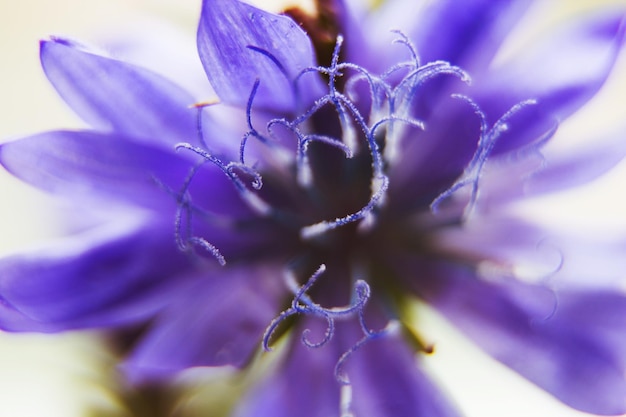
(183, 234)
(210, 248)
(302, 304)
(299, 294)
(253, 201)
(203, 104)
(487, 141)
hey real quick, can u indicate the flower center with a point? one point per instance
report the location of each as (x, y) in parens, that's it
(331, 188)
(322, 182)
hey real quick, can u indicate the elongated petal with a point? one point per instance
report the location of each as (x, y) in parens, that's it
(562, 73)
(539, 174)
(221, 318)
(467, 33)
(93, 166)
(506, 245)
(565, 73)
(89, 165)
(387, 381)
(567, 342)
(164, 48)
(504, 241)
(13, 320)
(239, 44)
(383, 373)
(107, 276)
(304, 385)
(112, 95)
(432, 160)
(576, 169)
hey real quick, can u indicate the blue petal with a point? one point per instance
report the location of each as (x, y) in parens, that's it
(165, 48)
(112, 95)
(570, 69)
(107, 276)
(239, 44)
(432, 160)
(387, 381)
(562, 74)
(98, 167)
(567, 342)
(383, 373)
(552, 171)
(463, 33)
(13, 320)
(221, 318)
(303, 386)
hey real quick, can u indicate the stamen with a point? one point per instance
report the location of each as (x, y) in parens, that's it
(304, 173)
(379, 88)
(391, 328)
(272, 58)
(343, 105)
(184, 209)
(316, 229)
(486, 142)
(252, 199)
(252, 132)
(199, 123)
(392, 137)
(399, 101)
(198, 241)
(552, 312)
(203, 104)
(183, 200)
(404, 40)
(540, 271)
(402, 96)
(406, 89)
(302, 304)
(281, 68)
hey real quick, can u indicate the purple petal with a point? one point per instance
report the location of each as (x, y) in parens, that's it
(93, 166)
(548, 171)
(13, 320)
(432, 160)
(221, 319)
(387, 381)
(467, 33)
(107, 276)
(383, 373)
(112, 95)
(562, 73)
(566, 342)
(304, 385)
(165, 49)
(239, 44)
(505, 241)
(579, 167)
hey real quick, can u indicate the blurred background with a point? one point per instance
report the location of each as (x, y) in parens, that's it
(74, 374)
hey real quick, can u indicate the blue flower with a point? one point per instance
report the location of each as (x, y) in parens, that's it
(343, 174)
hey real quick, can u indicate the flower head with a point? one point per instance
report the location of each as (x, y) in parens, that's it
(340, 175)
